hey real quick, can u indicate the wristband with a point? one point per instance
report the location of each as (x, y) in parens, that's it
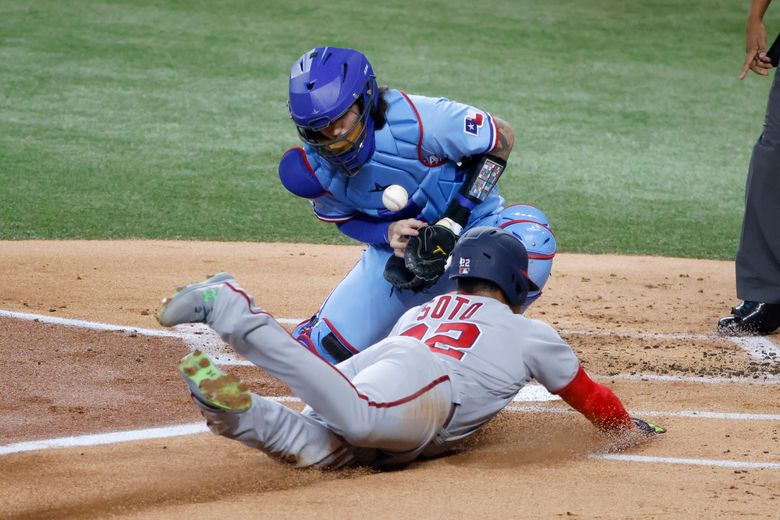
(484, 178)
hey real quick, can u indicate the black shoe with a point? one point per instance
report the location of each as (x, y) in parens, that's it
(751, 319)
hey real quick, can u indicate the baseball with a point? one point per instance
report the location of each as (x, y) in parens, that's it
(395, 197)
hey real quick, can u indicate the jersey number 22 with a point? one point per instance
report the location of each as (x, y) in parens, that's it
(450, 338)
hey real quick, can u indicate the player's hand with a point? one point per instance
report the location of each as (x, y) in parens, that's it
(427, 253)
(399, 232)
(755, 49)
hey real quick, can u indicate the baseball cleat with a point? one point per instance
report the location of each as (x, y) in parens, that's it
(751, 319)
(648, 428)
(212, 386)
(193, 303)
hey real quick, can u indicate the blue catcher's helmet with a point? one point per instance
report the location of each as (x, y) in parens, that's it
(324, 84)
(532, 227)
(490, 253)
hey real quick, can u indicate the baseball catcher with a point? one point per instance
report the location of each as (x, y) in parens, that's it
(446, 369)
(359, 139)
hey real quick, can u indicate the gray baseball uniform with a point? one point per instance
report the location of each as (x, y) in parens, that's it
(447, 368)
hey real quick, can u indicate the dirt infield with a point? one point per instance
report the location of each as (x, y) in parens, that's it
(642, 325)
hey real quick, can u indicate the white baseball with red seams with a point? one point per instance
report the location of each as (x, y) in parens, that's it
(395, 197)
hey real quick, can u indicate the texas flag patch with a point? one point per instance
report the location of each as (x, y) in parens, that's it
(473, 122)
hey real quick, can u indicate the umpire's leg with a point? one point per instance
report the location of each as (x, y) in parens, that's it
(758, 256)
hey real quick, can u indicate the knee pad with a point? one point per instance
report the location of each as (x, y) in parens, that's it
(532, 227)
(320, 336)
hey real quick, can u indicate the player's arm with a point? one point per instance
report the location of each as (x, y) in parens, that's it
(483, 172)
(366, 229)
(552, 362)
(755, 40)
(602, 407)
(596, 402)
(505, 141)
(372, 230)
(480, 142)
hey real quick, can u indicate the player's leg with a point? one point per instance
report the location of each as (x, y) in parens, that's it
(398, 399)
(233, 412)
(405, 395)
(758, 271)
(360, 311)
(757, 266)
(283, 434)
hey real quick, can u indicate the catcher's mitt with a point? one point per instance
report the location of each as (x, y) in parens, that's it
(402, 278)
(426, 254)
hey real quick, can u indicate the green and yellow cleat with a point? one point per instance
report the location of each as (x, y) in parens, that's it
(213, 386)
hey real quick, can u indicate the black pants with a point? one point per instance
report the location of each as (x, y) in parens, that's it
(758, 256)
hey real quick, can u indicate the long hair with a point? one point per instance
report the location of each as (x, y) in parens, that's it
(379, 113)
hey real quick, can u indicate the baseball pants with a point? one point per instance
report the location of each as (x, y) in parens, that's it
(387, 402)
(758, 255)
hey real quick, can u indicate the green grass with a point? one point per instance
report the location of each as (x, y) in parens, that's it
(140, 119)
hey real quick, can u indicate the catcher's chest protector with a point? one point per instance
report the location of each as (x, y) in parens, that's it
(432, 182)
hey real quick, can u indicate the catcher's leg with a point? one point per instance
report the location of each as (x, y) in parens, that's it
(360, 311)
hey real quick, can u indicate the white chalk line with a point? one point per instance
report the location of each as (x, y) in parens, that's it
(82, 324)
(758, 380)
(98, 439)
(201, 337)
(691, 414)
(734, 464)
(200, 427)
(751, 344)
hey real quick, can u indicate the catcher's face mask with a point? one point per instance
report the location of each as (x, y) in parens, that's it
(326, 83)
(346, 150)
(349, 127)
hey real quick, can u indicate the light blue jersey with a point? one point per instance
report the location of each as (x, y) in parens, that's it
(420, 148)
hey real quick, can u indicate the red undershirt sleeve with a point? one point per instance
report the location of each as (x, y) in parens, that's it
(596, 402)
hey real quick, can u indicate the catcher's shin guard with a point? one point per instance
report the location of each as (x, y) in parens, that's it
(319, 336)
